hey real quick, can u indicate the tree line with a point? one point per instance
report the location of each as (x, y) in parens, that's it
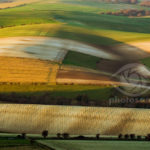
(129, 12)
(47, 98)
(118, 1)
(45, 134)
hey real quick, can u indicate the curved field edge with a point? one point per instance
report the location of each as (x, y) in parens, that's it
(95, 37)
(73, 120)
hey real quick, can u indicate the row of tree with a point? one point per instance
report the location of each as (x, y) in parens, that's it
(118, 1)
(46, 98)
(45, 134)
(130, 12)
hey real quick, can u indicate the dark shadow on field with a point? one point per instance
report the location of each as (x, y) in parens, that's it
(90, 97)
(110, 22)
(125, 53)
(123, 123)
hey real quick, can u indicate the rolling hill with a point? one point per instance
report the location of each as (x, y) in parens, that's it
(93, 45)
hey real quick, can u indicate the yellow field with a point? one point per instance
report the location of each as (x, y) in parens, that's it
(24, 70)
(16, 3)
(73, 120)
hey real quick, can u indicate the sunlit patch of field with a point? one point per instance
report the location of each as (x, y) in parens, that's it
(73, 120)
(61, 30)
(143, 45)
(24, 70)
(33, 47)
(15, 3)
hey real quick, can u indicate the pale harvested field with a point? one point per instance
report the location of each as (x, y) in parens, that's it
(145, 45)
(132, 50)
(32, 47)
(24, 70)
(73, 120)
(47, 48)
(15, 3)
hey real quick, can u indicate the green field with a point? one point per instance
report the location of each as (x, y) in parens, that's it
(77, 22)
(97, 93)
(11, 143)
(79, 59)
(22, 148)
(96, 145)
(146, 62)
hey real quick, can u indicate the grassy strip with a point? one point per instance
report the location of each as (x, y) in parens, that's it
(13, 142)
(67, 91)
(23, 148)
(96, 145)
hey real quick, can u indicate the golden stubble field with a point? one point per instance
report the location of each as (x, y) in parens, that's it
(25, 70)
(73, 120)
(29, 70)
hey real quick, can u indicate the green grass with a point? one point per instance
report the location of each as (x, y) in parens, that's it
(71, 21)
(9, 142)
(87, 35)
(79, 59)
(68, 13)
(22, 148)
(146, 62)
(13, 142)
(96, 145)
(68, 91)
(103, 6)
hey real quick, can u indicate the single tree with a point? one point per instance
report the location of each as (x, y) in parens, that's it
(139, 137)
(97, 136)
(45, 133)
(24, 135)
(126, 136)
(65, 135)
(58, 135)
(120, 136)
(132, 136)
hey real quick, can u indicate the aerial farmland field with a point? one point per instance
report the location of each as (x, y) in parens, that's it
(77, 67)
(74, 120)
